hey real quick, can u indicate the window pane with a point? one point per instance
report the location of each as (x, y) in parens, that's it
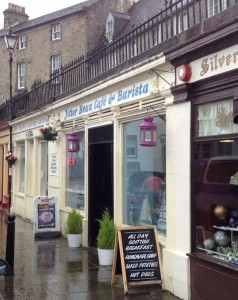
(55, 32)
(215, 119)
(216, 194)
(44, 169)
(21, 75)
(144, 178)
(22, 168)
(22, 42)
(75, 176)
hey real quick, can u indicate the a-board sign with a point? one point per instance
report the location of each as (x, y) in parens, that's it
(137, 256)
(46, 217)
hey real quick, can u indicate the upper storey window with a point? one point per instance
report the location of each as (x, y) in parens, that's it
(56, 32)
(22, 42)
(109, 29)
(216, 6)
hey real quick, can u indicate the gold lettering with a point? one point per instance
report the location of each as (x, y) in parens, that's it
(235, 54)
(205, 66)
(221, 61)
(228, 59)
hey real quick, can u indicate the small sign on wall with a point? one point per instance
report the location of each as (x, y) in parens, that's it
(46, 217)
(53, 164)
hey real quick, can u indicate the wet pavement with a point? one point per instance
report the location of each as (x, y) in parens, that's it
(47, 269)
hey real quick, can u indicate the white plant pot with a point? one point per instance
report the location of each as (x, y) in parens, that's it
(105, 256)
(74, 240)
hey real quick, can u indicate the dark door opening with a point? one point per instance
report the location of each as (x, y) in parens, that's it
(100, 177)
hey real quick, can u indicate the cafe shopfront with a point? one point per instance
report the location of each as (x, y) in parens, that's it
(114, 166)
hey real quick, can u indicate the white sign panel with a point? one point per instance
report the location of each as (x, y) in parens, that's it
(53, 164)
(133, 92)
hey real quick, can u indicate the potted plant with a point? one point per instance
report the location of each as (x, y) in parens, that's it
(106, 238)
(73, 228)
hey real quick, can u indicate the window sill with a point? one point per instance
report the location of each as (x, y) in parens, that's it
(211, 260)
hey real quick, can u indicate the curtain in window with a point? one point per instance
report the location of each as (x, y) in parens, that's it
(216, 118)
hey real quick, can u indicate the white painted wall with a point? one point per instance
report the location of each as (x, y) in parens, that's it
(175, 261)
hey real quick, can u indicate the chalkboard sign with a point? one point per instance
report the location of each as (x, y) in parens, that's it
(140, 259)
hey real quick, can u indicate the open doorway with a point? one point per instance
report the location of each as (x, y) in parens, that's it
(100, 177)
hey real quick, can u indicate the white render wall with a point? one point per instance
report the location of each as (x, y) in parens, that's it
(175, 261)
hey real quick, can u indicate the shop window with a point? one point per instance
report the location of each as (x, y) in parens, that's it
(216, 194)
(215, 119)
(215, 182)
(144, 178)
(74, 195)
(30, 167)
(44, 169)
(21, 187)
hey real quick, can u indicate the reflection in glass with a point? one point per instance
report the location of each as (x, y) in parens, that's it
(216, 194)
(144, 178)
(75, 176)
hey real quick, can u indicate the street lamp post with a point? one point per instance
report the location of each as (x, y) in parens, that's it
(10, 41)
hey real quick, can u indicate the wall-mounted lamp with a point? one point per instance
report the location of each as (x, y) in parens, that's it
(73, 142)
(148, 132)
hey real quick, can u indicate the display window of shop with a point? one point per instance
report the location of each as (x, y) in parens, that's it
(21, 186)
(44, 169)
(144, 177)
(30, 167)
(74, 194)
(215, 184)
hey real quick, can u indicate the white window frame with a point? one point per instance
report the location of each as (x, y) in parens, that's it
(55, 66)
(156, 35)
(182, 19)
(21, 75)
(213, 7)
(133, 48)
(22, 42)
(109, 29)
(131, 146)
(56, 32)
(22, 152)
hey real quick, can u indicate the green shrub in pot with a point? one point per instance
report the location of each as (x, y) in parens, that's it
(107, 229)
(74, 222)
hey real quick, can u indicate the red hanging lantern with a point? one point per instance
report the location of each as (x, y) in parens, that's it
(148, 132)
(73, 142)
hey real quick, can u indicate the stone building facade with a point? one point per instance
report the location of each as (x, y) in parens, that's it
(52, 40)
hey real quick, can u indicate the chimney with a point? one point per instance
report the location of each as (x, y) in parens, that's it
(14, 14)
